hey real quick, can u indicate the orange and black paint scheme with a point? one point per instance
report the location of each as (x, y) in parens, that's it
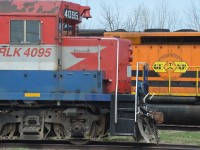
(173, 59)
(174, 77)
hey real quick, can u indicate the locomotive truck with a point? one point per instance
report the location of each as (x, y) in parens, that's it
(173, 59)
(55, 85)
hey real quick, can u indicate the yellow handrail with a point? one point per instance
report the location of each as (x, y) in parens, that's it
(197, 81)
(169, 90)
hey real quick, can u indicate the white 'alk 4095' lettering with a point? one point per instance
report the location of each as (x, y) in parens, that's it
(28, 52)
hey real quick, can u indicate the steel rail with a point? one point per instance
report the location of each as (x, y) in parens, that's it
(52, 145)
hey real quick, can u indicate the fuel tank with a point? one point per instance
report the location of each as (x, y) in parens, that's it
(173, 100)
(179, 114)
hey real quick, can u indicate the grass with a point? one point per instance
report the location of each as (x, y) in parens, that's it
(167, 137)
(180, 137)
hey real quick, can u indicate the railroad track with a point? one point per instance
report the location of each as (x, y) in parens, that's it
(33, 145)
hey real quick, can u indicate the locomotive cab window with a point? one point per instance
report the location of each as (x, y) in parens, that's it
(24, 32)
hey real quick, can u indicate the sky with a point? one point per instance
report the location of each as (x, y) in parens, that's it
(178, 6)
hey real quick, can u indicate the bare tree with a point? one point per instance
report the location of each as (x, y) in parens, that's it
(161, 13)
(132, 20)
(88, 25)
(165, 17)
(173, 21)
(146, 18)
(140, 18)
(111, 17)
(193, 16)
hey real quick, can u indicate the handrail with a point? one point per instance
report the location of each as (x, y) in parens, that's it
(169, 84)
(197, 81)
(136, 89)
(117, 76)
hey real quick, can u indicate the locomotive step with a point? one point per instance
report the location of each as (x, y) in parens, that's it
(124, 126)
(126, 109)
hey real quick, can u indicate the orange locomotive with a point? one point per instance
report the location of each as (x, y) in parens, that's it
(173, 59)
(174, 77)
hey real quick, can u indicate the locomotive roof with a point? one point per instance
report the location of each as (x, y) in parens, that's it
(30, 7)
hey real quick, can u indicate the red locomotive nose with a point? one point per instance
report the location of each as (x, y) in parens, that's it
(87, 14)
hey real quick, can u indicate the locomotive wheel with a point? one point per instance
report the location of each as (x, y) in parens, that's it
(148, 129)
(85, 139)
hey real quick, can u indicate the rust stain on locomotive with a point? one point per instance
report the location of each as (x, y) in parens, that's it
(8, 7)
(30, 7)
(27, 4)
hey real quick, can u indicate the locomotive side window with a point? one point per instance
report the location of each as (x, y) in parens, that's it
(16, 31)
(24, 31)
(32, 31)
(67, 30)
